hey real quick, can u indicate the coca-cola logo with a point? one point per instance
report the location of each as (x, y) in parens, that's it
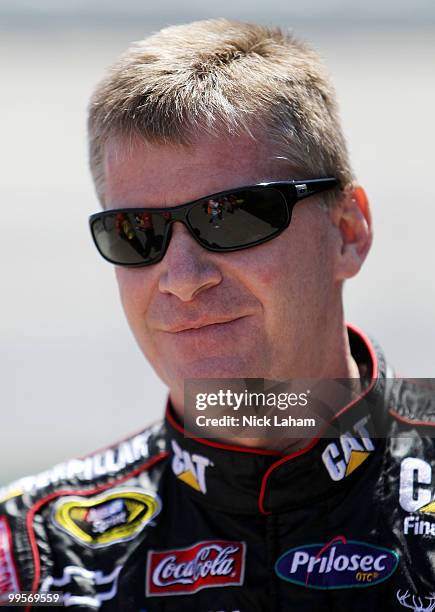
(212, 563)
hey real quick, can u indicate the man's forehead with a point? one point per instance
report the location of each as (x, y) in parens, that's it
(139, 173)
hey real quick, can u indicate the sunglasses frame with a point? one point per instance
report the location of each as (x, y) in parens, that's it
(293, 191)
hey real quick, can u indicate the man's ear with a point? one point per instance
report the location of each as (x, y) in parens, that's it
(352, 218)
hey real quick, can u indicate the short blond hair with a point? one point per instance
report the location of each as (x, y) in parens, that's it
(219, 76)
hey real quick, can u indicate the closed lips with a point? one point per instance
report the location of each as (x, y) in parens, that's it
(199, 324)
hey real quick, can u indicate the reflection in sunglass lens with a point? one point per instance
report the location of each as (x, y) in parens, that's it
(129, 238)
(227, 222)
(239, 219)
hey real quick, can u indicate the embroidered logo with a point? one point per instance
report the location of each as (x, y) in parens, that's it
(190, 468)
(109, 461)
(102, 586)
(8, 573)
(416, 496)
(353, 449)
(416, 603)
(213, 563)
(107, 518)
(339, 564)
(416, 493)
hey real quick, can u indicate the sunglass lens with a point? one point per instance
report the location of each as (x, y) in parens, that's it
(241, 219)
(129, 238)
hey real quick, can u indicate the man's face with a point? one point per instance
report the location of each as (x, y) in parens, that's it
(260, 312)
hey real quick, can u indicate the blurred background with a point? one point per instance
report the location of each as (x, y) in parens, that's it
(72, 378)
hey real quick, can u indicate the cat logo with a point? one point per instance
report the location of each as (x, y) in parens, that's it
(108, 518)
(342, 459)
(417, 490)
(190, 468)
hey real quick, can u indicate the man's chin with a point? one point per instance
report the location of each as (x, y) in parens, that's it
(206, 368)
(223, 366)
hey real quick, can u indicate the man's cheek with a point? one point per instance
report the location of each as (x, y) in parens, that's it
(123, 287)
(268, 269)
(132, 291)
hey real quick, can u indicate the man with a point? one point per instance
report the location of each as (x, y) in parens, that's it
(250, 288)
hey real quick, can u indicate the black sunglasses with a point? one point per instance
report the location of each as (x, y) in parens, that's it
(225, 221)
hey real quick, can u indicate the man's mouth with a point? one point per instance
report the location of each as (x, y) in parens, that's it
(186, 326)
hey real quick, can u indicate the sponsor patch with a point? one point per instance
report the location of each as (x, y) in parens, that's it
(8, 573)
(353, 448)
(416, 496)
(109, 461)
(190, 468)
(415, 602)
(102, 586)
(339, 564)
(416, 493)
(107, 518)
(414, 525)
(212, 563)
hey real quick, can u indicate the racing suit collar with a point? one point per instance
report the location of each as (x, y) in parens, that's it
(247, 480)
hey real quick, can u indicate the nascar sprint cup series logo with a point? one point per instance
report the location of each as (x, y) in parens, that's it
(111, 517)
(339, 564)
(212, 563)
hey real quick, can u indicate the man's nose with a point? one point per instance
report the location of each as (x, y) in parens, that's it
(186, 267)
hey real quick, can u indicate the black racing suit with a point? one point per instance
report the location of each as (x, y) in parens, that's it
(160, 522)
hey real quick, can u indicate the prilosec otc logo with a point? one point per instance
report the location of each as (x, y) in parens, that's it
(339, 564)
(190, 468)
(107, 518)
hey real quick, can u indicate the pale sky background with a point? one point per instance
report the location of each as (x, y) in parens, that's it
(72, 378)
